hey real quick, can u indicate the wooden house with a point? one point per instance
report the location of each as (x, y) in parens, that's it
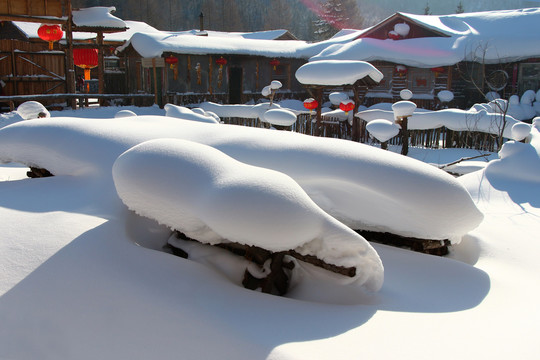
(193, 66)
(469, 54)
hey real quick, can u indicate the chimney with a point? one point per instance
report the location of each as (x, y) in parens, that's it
(201, 22)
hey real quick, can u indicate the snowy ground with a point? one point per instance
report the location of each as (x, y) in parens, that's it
(73, 284)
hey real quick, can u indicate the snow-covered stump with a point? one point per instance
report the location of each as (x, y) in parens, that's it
(256, 212)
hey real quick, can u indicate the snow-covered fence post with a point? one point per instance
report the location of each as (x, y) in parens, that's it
(402, 111)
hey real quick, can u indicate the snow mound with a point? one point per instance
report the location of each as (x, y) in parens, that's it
(280, 117)
(336, 72)
(190, 187)
(124, 113)
(188, 114)
(32, 110)
(363, 187)
(382, 130)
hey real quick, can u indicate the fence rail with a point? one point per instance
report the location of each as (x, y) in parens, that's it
(439, 138)
(82, 99)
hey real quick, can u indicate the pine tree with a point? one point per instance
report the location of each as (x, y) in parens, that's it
(427, 10)
(336, 15)
(460, 9)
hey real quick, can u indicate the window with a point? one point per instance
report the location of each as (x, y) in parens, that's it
(529, 77)
(420, 80)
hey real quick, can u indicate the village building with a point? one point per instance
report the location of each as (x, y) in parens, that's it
(470, 54)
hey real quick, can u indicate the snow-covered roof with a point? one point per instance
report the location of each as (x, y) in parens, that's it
(98, 16)
(215, 42)
(29, 29)
(336, 72)
(490, 37)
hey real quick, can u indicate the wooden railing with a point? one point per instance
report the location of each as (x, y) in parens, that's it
(81, 100)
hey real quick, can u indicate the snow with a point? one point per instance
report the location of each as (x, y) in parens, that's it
(82, 277)
(336, 72)
(383, 130)
(489, 37)
(280, 117)
(97, 16)
(194, 185)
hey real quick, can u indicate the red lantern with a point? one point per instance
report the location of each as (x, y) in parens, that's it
(393, 35)
(346, 106)
(310, 104)
(172, 61)
(274, 63)
(85, 58)
(50, 33)
(401, 70)
(221, 61)
(437, 70)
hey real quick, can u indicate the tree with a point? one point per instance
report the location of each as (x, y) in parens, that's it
(427, 10)
(335, 15)
(460, 9)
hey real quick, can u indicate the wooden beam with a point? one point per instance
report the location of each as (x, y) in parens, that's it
(33, 19)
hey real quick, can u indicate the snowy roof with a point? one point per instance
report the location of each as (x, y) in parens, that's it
(490, 36)
(30, 29)
(98, 16)
(256, 43)
(255, 35)
(336, 72)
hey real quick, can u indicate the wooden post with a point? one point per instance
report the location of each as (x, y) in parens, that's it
(404, 135)
(70, 75)
(319, 95)
(155, 80)
(355, 135)
(101, 65)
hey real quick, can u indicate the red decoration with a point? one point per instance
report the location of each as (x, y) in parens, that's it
(87, 59)
(311, 104)
(401, 70)
(274, 63)
(438, 70)
(393, 35)
(50, 33)
(346, 106)
(221, 61)
(171, 60)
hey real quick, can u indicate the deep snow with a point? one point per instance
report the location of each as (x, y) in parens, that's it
(75, 285)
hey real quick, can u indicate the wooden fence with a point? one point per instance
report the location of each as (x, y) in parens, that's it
(440, 138)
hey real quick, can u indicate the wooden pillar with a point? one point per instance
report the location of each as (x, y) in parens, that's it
(101, 64)
(319, 98)
(70, 74)
(155, 81)
(355, 135)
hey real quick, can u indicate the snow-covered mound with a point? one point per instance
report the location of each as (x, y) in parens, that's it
(214, 198)
(362, 186)
(32, 110)
(185, 113)
(475, 119)
(336, 72)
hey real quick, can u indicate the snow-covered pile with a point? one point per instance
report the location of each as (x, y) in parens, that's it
(196, 114)
(214, 198)
(98, 16)
(361, 186)
(336, 72)
(481, 117)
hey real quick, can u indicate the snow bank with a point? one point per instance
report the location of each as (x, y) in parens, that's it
(363, 187)
(214, 198)
(185, 113)
(32, 110)
(475, 119)
(336, 72)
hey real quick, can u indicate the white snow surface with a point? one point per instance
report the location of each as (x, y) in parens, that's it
(359, 185)
(81, 279)
(98, 16)
(336, 72)
(192, 188)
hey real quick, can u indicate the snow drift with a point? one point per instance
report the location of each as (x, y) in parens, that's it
(363, 187)
(214, 198)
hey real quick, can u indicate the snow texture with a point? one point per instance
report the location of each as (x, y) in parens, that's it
(361, 186)
(190, 187)
(336, 72)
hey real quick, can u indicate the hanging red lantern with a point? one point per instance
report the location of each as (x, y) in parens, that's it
(347, 105)
(274, 63)
(401, 70)
(221, 61)
(311, 104)
(172, 61)
(50, 33)
(437, 70)
(85, 58)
